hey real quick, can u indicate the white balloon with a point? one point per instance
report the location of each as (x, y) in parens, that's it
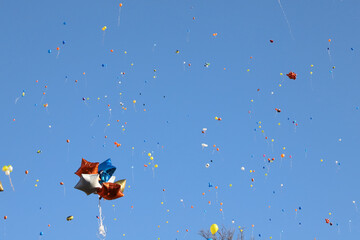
(7, 173)
(242, 168)
(112, 179)
(10, 168)
(207, 165)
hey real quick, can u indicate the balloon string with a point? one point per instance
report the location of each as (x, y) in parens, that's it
(11, 183)
(119, 17)
(286, 19)
(101, 226)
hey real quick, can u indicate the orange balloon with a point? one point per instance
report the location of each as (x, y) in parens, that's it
(26, 172)
(120, 5)
(61, 183)
(58, 48)
(67, 140)
(5, 217)
(282, 155)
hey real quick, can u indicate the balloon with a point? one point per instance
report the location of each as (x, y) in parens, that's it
(41, 233)
(1, 187)
(110, 191)
(112, 179)
(87, 168)
(122, 183)
(104, 28)
(7, 173)
(5, 217)
(69, 218)
(26, 171)
(10, 168)
(5, 168)
(214, 228)
(291, 75)
(88, 183)
(120, 5)
(106, 170)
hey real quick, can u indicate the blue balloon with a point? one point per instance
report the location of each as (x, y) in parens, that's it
(106, 170)
(41, 233)
(49, 51)
(209, 239)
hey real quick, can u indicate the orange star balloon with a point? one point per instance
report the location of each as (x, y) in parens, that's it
(110, 191)
(87, 168)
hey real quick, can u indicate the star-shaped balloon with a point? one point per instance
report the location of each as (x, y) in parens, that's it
(88, 183)
(106, 170)
(122, 183)
(87, 168)
(110, 191)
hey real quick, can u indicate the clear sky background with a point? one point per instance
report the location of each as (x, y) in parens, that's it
(289, 198)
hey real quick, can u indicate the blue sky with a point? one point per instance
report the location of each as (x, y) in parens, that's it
(243, 85)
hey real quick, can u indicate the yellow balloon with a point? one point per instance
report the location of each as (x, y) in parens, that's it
(104, 28)
(5, 168)
(214, 228)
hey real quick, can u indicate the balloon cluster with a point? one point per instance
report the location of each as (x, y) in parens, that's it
(7, 169)
(98, 178)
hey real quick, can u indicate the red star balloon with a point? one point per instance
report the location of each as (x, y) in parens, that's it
(87, 168)
(110, 191)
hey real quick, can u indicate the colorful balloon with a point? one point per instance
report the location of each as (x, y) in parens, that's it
(87, 168)
(214, 228)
